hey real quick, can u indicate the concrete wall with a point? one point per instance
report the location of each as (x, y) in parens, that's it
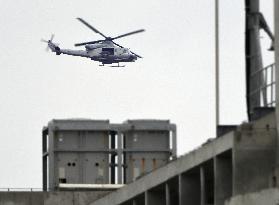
(264, 197)
(50, 198)
(254, 155)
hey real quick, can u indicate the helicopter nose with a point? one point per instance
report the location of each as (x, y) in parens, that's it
(133, 57)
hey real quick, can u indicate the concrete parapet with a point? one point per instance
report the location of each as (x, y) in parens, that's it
(254, 155)
(21, 198)
(50, 198)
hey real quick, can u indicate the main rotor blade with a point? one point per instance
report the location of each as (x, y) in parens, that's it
(128, 34)
(43, 40)
(130, 50)
(136, 54)
(52, 37)
(117, 44)
(90, 42)
(91, 27)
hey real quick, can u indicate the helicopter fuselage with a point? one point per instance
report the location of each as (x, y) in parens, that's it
(108, 53)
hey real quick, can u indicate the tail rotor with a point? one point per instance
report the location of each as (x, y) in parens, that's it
(49, 42)
(54, 47)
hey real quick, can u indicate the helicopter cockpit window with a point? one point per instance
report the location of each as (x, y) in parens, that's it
(108, 51)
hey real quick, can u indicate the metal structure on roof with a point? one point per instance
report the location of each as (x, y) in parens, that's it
(98, 152)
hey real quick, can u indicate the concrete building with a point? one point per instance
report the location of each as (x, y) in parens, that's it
(238, 167)
(241, 162)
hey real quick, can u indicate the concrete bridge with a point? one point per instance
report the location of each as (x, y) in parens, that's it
(239, 162)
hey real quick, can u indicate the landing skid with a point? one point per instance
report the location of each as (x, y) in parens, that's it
(114, 66)
(117, 66)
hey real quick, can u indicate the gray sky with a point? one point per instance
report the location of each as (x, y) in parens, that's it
(174, 80)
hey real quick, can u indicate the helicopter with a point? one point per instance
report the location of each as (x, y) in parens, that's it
(105, 51)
